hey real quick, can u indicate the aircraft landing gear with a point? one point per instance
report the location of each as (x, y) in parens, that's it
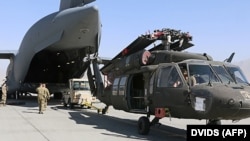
(144, 124)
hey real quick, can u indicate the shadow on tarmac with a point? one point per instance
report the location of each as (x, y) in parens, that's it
(124, 128)
(117, 126)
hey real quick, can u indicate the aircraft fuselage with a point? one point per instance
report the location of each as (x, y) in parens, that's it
(220, 91)
(52, 50)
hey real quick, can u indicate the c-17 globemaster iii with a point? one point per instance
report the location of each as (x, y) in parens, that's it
(52, 50)
(166, 81)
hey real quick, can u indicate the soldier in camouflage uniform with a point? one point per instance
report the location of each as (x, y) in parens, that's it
(4, 94)
(41, 95)
(47, 94)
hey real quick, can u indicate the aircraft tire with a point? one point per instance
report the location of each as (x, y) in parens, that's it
(65, 102)
(143, 125)
(89, 107)
(71, 105)
(104, 111)
(65, 105)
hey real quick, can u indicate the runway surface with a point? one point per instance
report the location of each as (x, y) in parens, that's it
(21, 122)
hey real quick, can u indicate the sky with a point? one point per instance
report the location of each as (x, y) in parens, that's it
(218, 27)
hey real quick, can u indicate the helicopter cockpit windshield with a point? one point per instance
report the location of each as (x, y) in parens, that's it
(202, 73)
(223, 74)
(237, 75)
(212, 72)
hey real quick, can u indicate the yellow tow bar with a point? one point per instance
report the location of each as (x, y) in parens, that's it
(92, 106)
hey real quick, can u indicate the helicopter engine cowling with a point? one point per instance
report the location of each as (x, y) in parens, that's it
(133, 61)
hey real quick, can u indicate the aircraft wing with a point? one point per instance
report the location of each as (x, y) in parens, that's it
(7, 54)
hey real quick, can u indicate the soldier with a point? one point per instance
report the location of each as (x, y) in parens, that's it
(47, 94)
(192, 78)
(4, 94)
(41, 98)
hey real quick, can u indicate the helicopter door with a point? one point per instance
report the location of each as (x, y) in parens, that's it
(119, 97)
(170, 89)
(135, 93)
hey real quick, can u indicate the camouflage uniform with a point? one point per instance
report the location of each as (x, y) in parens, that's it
(4, 93)
(41, 96)
(47, 94)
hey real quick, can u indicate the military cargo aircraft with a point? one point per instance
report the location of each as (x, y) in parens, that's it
(170, 82)
(52, 50)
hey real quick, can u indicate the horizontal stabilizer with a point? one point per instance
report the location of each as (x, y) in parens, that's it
(7, 54)
(65, 4)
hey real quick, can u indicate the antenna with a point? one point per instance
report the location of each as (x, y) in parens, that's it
(230, 58)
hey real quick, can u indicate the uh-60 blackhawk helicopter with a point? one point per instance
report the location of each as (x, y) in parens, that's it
(166, 81)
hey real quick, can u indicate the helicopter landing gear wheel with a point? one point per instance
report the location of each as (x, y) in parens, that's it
(214, 122)
(143, 125)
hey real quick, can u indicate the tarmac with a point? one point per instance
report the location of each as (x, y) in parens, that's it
(20, 121)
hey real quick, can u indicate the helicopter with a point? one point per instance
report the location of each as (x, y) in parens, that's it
(166, 81)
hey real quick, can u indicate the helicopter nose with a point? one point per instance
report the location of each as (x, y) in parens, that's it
(233, 103)
(242, 104)
(244, 110)
(245, 102)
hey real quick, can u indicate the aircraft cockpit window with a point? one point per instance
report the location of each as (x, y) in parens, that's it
(223, 74)
(169, 77)
(202, 73)
(238, 75)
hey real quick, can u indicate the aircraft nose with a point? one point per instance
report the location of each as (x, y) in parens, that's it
(239, 100)
(242, 104)
(244, 110)
(245, 102)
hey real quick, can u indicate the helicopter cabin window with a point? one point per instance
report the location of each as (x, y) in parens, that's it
(122, 85)
(119, 86)
(169, 77)
(151, 83)
(115, 86)
(202, 73)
